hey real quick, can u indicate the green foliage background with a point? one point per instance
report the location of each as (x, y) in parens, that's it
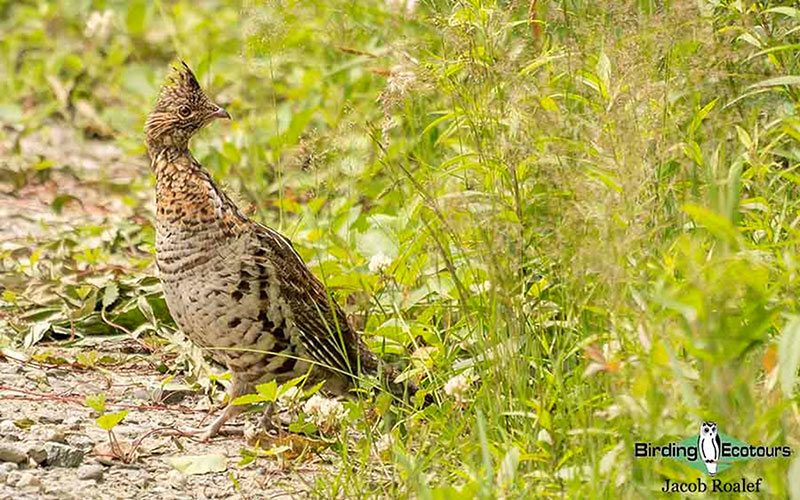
(590, 208)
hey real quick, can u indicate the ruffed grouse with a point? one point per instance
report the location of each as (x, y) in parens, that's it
(234, 286)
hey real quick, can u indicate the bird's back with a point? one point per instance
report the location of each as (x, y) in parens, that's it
(240, 289)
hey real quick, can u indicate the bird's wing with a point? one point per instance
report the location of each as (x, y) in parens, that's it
(321, 324)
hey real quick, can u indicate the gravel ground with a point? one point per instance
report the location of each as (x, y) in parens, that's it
(51, 448)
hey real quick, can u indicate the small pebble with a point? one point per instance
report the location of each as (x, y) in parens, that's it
(37, 453)
(7, 428)
(91, 471)
(144, 479)
(51, 419)
(128, 430)
(80, 441)
(61, 455)
(5, 469)
(12, 478)
(73, 423)
(10, 453)
(28, 480)
(8, 467)
(21, 479)
(176, 479)
(53, 435)
(141, 394)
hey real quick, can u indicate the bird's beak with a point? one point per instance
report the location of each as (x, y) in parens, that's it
(220, 113)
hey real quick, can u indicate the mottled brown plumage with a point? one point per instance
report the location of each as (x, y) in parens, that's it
(234, 286)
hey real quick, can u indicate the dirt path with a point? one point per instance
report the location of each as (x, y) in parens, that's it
(44, 420)
(50, 446)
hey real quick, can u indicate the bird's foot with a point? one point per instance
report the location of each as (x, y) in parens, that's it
(203, 434)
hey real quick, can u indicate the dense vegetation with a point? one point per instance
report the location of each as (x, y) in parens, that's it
(588, 210)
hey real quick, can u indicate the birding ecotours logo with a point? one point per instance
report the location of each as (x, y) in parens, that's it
(708, 444)
(711, 452)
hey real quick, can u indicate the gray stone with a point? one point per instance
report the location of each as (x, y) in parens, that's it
(176, 479)
(8, 467)
(51, 419)
(129, 430)
(62, 455)
(5, 469)
(80, 441)
(73, 423)
(53, 435)
(28, 480)
(13, 477)
(91, 471)
(8, 429)
(10, 453)
(140, 477)
(37, 453)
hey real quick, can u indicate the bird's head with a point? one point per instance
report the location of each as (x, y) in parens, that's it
(708, 429)
(181, 110)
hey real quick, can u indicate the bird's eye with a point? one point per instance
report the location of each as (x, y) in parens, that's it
(184, 111)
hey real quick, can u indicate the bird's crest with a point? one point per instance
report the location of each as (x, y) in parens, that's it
(181, 84)
(184, 77)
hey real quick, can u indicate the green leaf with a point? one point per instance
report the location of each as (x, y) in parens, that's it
(701, 115)
(313, 390)
(302, 426)
(137, 11)
(447, 493)
(58, 203)
(268, 391)
(716, 224)
(36, 333)
(24, 423)
(548, 103)
(786, 11)
(96, 402)
(110, 420)
(249, 399)
(780, 80)
(146, 309)
(110, 295)
(789, 356)
(604, 73)
(291, 383)
(199, 464)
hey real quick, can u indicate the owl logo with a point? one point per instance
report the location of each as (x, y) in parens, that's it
(709, 446)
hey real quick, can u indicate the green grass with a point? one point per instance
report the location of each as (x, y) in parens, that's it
(590, 208)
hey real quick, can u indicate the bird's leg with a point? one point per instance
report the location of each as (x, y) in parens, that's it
(267, 424)
(231, 410)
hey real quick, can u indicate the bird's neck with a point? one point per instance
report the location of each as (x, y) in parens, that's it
(165, 145)
(175, 167)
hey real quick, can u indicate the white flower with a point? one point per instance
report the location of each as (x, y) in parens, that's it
(326, 413)
(98, 25)
(379, 262)
(457, 386)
